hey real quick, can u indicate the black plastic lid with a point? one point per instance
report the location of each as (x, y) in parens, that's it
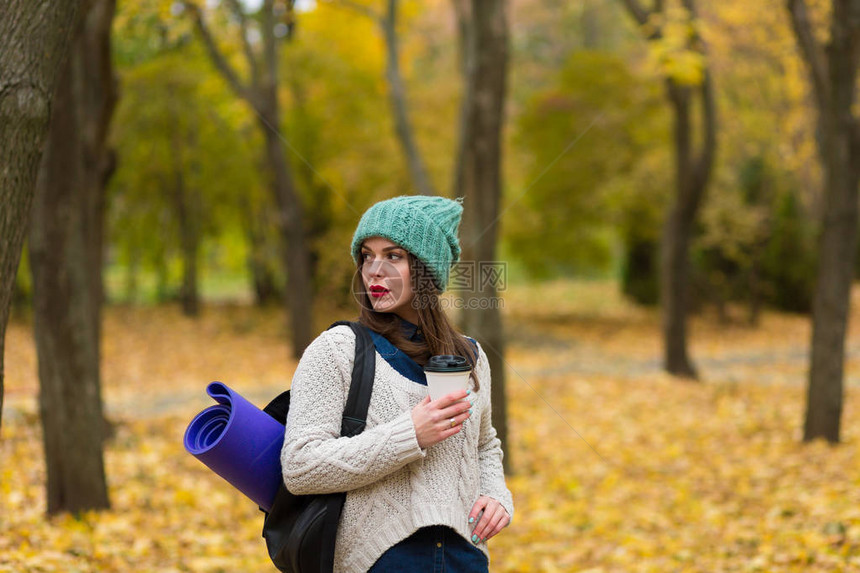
(447, 363)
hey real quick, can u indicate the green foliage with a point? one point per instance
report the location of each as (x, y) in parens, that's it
(588, 164)
(176, 120)
(755, 243)
(580, 140)
(674, 53)
(789, 260)
(640, 272)
(144, 29)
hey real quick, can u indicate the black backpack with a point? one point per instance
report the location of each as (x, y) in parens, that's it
(300, 530)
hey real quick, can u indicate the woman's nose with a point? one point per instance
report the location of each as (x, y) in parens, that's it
(375, 268)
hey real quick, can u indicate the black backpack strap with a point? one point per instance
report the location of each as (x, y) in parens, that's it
(353, 423)
(361, 387)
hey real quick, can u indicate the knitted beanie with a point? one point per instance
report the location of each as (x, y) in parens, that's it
(424, 226)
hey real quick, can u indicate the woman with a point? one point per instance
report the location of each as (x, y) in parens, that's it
(424, 481)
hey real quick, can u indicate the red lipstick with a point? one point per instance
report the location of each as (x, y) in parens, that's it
(377, 291)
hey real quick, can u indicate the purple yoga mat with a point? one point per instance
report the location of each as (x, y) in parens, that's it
(240, 443)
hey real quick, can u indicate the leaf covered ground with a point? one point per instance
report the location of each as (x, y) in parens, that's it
(617, 467)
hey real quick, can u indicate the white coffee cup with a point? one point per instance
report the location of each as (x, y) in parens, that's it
(446, 373)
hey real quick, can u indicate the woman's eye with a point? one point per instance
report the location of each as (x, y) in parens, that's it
(396, 256)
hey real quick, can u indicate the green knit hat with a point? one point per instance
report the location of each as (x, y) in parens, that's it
(424, 226)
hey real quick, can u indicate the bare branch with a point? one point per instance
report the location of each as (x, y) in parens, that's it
(643, 17)
(217, 57)
(812, 51)
(237, 10)
(639, 13)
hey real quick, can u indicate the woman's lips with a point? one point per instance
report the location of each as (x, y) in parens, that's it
(377, 291)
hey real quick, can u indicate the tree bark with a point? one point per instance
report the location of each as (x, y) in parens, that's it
(397, 93)
(256, 222)
(833, 75)
(480, 183)
(65, 255)
(463, 14)
(261, 93)
(96, 94)
(34, 41)
(186, 216)
(399, 106)
(692, 174)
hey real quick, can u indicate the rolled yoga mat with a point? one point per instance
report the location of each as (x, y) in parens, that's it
(240, 443)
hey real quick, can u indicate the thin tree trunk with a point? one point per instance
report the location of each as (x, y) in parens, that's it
(481, 185)
(675, 243)
(462, 11)
(66, 301)
(186, 215)
(255, 223)
(692, 174)
(131, 272)
(261, 93)
(399, 106)
(96, 95)
(34, 41)
(397, 93)
(590, 21)
(295, 252)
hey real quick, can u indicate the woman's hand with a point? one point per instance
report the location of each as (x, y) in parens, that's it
(494, 519)
(439, 419)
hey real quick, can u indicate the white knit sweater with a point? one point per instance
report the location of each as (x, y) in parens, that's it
(393, 486)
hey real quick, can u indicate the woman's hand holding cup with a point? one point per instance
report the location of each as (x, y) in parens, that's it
(436, 420)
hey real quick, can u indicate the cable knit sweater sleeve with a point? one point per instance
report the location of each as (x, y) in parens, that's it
(490, 453)
(315, 458)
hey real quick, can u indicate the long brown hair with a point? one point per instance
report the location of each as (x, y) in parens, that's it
(440, 336)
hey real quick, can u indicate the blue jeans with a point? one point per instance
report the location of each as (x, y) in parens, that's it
(437, 549)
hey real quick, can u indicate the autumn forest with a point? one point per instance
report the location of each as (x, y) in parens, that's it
(659, 245)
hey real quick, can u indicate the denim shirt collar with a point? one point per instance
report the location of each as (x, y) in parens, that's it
(410, 330)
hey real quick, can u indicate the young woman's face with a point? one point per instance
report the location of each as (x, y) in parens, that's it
(386, 275)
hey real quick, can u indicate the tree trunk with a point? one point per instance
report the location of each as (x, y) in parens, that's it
(34, 40)
(590, 22)
(96, 96)
(463, 14)
(833, 72)
(692, 173)
(399, 107)
(481, 185)
(65, 256)
(675, 243)
(262, 95)
(255, 224)
(186, 218)
(831, 302)
(295, 251)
